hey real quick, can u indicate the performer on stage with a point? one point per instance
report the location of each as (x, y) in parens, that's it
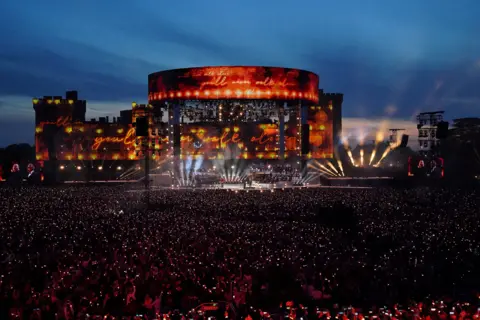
(33, 177)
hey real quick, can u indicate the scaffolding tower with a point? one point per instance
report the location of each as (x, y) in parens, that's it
(427, 125)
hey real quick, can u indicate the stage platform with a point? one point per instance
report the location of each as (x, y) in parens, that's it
(237, 188)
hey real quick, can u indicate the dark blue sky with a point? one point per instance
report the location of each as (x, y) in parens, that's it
(391, 59)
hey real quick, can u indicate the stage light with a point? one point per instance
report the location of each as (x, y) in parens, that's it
(79, 168)
(62, 167)
(119, 168)
(233, 167)
(100, 168)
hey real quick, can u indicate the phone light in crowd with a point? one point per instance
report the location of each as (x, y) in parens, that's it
(62, 167)
(79, 168)
(100, 168)
(119, 168)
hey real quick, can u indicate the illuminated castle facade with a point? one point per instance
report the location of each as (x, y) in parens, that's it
(210, 113)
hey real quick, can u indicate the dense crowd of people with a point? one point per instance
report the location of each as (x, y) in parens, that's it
(88, 251)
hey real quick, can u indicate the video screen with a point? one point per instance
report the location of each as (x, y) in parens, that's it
(199, 141)
(241, 141)
(424, 166)
(85, 142)
(320, 121)
(234, 83)
(292, 138)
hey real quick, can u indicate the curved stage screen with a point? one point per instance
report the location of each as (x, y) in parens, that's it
(238, 82)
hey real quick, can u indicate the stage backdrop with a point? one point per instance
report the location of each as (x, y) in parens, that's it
(242, 141)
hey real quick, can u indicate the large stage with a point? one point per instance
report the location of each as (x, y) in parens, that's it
(195, 118)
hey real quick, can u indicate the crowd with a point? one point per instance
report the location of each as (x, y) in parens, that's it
(88, 251)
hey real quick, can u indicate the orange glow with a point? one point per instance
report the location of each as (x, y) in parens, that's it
(222, 82)
(263, 139)
(61, 121)
(290, 143)
(128, 139)
(321, 132)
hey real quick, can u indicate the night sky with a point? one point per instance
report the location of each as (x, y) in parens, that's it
(391, 59)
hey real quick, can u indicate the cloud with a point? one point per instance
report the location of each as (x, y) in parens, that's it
(16, 108)
(18, 131)
(463, 101)
(38, 72)
(390, 110)
(370, 89)
(179, 43)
